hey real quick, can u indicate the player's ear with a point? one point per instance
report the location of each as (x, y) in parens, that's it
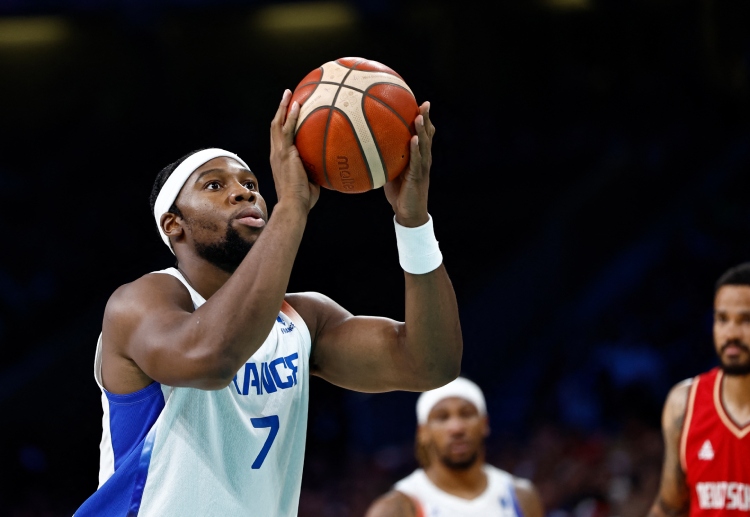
(171, 225)
(486, 426)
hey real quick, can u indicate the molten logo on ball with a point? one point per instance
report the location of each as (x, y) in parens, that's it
(345, 173)
(355, 124)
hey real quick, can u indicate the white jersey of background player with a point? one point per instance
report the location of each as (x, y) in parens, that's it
(455, 481)
(204, 368)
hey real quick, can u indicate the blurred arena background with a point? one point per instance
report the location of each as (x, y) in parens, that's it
(590, 183)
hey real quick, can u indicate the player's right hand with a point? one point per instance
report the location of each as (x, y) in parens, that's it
(289, 176)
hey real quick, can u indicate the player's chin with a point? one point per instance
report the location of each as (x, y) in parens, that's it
(736, 365)
(460, 461)
(249, 232)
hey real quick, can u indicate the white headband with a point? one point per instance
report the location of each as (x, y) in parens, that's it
(177, 179)
(460, 387)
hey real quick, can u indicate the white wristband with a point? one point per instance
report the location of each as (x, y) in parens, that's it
(418, 251)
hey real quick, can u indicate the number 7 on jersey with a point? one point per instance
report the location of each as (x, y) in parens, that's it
(267, 421)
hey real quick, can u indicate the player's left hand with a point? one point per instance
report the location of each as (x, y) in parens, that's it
(407, 193)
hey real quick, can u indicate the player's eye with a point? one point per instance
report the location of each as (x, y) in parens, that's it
(249, 185)
(213, 185)
(441, 417)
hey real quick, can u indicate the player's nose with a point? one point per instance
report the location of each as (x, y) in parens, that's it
(456, 426)
(239, 193)
(733, 330)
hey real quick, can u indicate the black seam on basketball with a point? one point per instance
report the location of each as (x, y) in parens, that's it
(377, 147)
(367, 94)
(318, 83)
(361, 149)
(300, 127)
(325, 173)
(328, 123)
(307, 117)
(332, 83)
(353, 67)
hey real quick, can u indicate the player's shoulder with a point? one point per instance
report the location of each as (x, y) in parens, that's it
(523, 485)
(307, 298)
(678, 395)
(316, 309)
(147, 293)
(392, 504)
(528, 496)
(520, 485)
(675, 407)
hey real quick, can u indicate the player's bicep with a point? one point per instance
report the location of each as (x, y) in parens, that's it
(147, 323)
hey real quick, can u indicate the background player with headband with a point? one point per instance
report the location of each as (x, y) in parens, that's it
(706, 420)
(204, 368)
(455, 481)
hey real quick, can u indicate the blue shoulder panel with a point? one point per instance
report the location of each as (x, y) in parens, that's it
(130, 418)
(120, 495)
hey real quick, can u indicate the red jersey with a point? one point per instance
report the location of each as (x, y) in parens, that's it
(714, 452)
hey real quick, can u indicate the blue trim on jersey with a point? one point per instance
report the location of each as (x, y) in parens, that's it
(516, 506)
(141, 475)
(131, 416)
(114, 497)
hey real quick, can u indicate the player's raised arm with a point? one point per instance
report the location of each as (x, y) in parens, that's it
(673, 499)
(230, 252)
(379, 354)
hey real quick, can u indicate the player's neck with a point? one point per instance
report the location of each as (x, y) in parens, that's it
(202, 276)
(736, 397)
(466, 484)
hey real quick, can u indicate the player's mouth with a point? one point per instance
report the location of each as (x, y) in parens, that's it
(459, 447)
(734, 349)
(252, 217)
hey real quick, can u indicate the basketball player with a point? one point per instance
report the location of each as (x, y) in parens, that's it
(204, 368)
(454, 480)
(706, 420)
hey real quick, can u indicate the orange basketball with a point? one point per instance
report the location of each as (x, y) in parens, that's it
(356, 120)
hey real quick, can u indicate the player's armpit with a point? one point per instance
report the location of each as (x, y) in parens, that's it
(393, 504)
(673, 499)
(528, 498)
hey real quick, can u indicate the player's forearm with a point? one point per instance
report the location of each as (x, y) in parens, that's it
(236, 320)
(432, 328)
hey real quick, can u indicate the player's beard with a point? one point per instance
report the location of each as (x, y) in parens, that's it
(735, 368)
(459, 464)
(228, 253)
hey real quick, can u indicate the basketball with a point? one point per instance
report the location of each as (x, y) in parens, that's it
(355, 123)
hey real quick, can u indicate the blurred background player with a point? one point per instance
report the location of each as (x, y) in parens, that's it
(454, 480)
(706, 420)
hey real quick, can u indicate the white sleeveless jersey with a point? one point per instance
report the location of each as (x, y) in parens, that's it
(498, 500)
(171, 451)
